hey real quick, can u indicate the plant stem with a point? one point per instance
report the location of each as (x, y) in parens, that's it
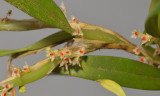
(9, 71)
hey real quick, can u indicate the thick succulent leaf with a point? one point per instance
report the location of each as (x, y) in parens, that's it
(112, 86)
(126, 72)
(44, 10)
(50, 40)
(152, 25)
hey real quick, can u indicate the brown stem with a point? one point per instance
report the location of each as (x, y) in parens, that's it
(9, 71)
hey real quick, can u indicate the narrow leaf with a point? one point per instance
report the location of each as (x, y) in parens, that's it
(113, 87)
(56, 38)
(97, 34)
(44, 10)
(126, 72)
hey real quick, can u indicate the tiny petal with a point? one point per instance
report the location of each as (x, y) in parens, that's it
(136, 50)
(67, 52)
(142, 59)
(51, 54)
(61, 54)
(52, 59)
(16, 72)
(66, 66)
(74, 19)
(7, 87)
(76, 61)
(135, 34)
(62, 64)
(146, 38)
(26, 67)
(4, 94)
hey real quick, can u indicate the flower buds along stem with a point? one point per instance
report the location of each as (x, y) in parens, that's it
(146, 38)
(78, 31)
(68, 55)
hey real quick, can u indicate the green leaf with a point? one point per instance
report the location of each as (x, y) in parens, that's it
(35, 72)
(126, 72)
(97, 34)
(90, 34)
(112, 86)
(52, 39)
(153, 5)
(152, 24)
(44, 10)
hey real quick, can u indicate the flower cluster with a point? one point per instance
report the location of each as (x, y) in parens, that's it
(137, 51)
(16, 73)
(143, 59)
(68, 55)
(78, 31)
(6, 88)
(146, 38)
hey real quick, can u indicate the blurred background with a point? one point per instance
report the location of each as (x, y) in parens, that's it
(121, 16)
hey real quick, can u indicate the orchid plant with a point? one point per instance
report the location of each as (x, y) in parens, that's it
(82, 38)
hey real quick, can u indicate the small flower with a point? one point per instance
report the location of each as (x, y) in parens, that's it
(67, 60)
(146, 38)
(80, 52)
(142, 59)
(74, 19)
(4, 94)
(67, 52)
(136, 50)
(7, 87)
(135, 34)
(51, 55)
(61, 54)
(16, 72)
(78, 32)
(26, 67)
